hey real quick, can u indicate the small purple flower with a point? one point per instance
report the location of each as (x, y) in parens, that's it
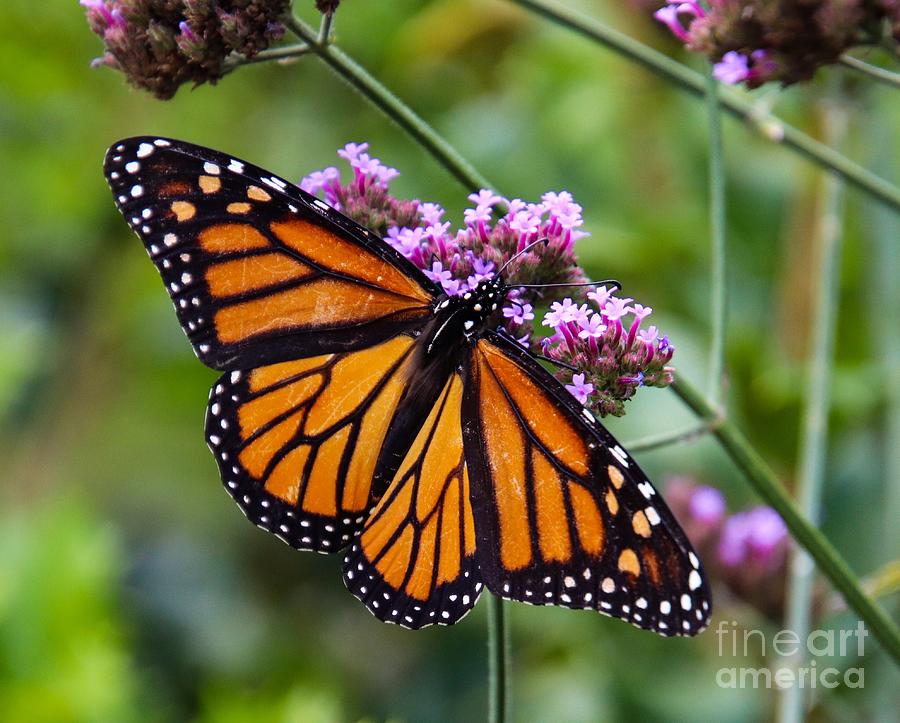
(485, 197)
(526, 224)
(758, 534)
(600, 296)
(408, 241)
(442, 276)
(519, 312)
(615, 308)
(579, 389)
(431, 213)
(513, 206)
(565, 311)
(648, 335)
(318, 180)
(479, 214)
(707, 505)
(592, 327)
(733, 68)
(767, 532)
(352, 151)
(669, 16)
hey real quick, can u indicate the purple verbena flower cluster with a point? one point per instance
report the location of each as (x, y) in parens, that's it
(161, 44)
(757, 41)
(365, 198)
(747, 550)
(604, 341)
(612, 355)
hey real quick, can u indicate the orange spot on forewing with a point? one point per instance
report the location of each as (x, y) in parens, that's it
(210, 184)
(258, 194)
(640, 524)
(231, 237)
(318, 304)
(651, 564)
(173, 188)
(326, 249)
(628, 562)
(183, 210)
(252, 273)
(615, 476)
(612, 503)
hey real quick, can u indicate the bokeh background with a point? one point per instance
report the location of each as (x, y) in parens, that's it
(132, 589)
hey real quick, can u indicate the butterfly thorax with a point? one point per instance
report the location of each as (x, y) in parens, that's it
(462, 318)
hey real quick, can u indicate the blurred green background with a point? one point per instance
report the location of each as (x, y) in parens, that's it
(132, 589)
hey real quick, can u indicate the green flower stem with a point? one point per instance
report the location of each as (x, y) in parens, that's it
(718, 299)
(764, 481)
(392, 106)
(498, 657)
(666, 439)
(814, 435)
(770, 127)
(873, 71)
(281, 52)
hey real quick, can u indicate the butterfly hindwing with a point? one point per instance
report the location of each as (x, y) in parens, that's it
(414, 563)
(297, 442)
(258, 270)
(563, 515)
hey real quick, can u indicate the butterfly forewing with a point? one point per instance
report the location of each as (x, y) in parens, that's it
(259, 271)
(415, 562)
(563, 515)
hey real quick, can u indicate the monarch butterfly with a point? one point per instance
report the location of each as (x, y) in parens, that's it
(362, 409)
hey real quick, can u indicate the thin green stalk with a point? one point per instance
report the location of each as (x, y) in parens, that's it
(766, 484)
(498, 655)
(392, 106)
(717, 236)
(281, 52)
(881, 75)
(771, 127)
(666, 439)
(814, 436)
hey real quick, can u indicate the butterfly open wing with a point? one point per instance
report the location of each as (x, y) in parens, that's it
(563, 516)
(298, 442)
(414, 563)
(509, 482)
(259, 271)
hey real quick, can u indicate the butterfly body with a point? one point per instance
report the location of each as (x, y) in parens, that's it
(363, 410)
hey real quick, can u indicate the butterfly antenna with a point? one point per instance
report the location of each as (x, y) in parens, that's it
(606, 282)
(528, 248)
